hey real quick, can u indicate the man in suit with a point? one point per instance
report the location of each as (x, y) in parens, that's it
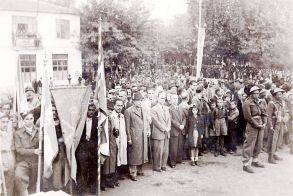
(160, 133)
(177, 133)
(138, 130)
(86, 154)
(126, 103)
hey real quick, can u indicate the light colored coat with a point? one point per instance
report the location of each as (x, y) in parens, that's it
(137, 129)
(161, 119)
(121, 141)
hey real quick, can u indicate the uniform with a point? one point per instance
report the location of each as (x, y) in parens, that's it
(275, 125)
(256, 119)
(27, 161)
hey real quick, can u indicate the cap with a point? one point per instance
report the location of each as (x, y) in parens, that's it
(137, 96)
(276, 90)
(172, 85)
(29, 88)
(254, 88)
(112, 91)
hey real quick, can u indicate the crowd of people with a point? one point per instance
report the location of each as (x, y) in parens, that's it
(162, 120)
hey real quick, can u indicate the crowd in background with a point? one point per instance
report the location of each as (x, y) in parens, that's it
(163, 119)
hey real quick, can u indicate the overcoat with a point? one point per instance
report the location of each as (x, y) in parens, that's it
(110, 164)
(137, 128)
(118, 122)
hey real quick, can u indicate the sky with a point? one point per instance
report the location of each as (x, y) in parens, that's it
(165, 10)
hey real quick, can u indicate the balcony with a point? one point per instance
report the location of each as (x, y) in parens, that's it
(26, 42)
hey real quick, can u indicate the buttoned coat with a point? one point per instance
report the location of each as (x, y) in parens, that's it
(26, 144)
(177, 119)
(137, 129)
(255, 114)
(121, 140)
(161, 119)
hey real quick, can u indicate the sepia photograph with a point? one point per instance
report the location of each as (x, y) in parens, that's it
(146, 98)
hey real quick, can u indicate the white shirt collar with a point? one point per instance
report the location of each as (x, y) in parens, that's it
(29, 130)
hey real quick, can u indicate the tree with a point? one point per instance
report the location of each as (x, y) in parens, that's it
(122, 27)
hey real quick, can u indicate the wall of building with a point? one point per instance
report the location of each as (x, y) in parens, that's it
(50, 44)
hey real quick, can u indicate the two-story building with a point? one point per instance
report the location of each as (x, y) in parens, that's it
(34, 32)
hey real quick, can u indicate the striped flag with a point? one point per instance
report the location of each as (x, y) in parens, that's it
(48, 125)
(200, 45)
(19, 102)
(100, 95)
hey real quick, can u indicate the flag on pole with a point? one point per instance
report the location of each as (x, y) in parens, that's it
(72, 105)
(19, 102)
(200, 45)
(48, 125)
(100, 95)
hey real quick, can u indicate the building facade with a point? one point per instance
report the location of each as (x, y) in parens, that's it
(35, 33)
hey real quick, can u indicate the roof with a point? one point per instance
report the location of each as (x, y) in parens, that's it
(34, 6)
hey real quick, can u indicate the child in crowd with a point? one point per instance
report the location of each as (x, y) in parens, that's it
(220, 127)
(194, 135)
(232, 124)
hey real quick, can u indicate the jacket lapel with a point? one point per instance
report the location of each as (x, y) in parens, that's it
(137, 112)
(34, 133)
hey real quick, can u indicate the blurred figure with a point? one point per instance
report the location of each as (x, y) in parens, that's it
(7, 150)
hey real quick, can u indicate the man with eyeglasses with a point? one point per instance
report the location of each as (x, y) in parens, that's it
(255, 115)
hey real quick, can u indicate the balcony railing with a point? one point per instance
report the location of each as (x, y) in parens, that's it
(26, 42)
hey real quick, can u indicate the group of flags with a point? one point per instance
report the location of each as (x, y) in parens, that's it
(71, 103)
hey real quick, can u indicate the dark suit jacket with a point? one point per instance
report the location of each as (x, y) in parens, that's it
(177, 119)
(91, 145)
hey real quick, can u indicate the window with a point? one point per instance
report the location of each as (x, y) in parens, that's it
(24, 26)
(63, 29)
(28, 66)
(60, 66)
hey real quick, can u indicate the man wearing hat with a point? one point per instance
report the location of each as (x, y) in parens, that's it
(256, 122)
(275, 123)
(31, 98)
(137, 130)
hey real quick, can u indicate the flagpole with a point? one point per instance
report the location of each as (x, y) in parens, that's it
(99, 135)
(41, 129)
(198, 37)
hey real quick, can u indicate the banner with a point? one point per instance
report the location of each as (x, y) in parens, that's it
(19, 102)
(50, 138)
(100, 95)
(72, 105)
(200, 45)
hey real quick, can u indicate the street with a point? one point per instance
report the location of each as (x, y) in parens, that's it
(215, 177)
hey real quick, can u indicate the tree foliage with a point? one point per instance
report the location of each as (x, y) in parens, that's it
(122, 27)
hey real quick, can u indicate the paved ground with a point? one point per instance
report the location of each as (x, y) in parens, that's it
(216, 176)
